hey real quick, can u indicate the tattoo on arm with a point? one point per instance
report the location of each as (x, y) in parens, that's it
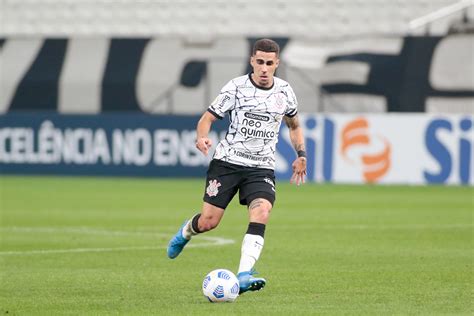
(293, 124)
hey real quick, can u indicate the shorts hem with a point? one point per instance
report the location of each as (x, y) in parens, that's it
(215, 204)
(261, 194)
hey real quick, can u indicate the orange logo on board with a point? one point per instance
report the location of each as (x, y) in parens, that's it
(356, 139)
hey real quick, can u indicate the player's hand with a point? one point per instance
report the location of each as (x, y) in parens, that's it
(203, 144)
(299, 171)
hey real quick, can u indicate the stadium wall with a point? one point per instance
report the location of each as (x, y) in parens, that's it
(342, 148)
(175, 76)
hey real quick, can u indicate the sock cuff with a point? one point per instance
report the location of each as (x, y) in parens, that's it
(194, 224)
(256, 229)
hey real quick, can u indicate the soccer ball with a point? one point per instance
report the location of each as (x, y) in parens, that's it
(220, 285)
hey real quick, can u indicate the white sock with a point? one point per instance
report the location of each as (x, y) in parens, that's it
(252, 246)
(188, 231)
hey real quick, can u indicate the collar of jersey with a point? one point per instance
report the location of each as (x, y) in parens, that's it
(260, 87)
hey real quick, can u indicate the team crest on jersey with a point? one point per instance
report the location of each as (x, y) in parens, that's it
(213, 188)
(279, 101)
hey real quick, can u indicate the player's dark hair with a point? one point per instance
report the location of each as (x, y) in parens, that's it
(266, 45)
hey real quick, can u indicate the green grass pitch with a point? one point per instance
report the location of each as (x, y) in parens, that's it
(97, 246)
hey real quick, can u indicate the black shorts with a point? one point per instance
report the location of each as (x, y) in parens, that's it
(225, 179)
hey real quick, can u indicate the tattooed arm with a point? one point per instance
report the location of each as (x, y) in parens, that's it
(297, 139)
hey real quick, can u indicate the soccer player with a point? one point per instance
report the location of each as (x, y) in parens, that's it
(244, 161)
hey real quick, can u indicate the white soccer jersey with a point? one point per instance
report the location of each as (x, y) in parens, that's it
(255, 115)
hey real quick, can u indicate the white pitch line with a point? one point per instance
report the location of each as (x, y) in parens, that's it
(80, 230)
(210, 241)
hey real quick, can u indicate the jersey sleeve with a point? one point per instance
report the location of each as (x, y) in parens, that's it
(225, 101)
(292, 108)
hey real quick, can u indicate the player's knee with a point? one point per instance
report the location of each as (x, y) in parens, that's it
(260, 210)
(264, 214)
(207, 223)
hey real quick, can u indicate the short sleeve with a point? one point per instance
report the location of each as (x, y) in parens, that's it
(292, 108)
(225, 101)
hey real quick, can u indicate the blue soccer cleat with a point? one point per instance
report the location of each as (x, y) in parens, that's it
(249, 283)
(177, 243)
